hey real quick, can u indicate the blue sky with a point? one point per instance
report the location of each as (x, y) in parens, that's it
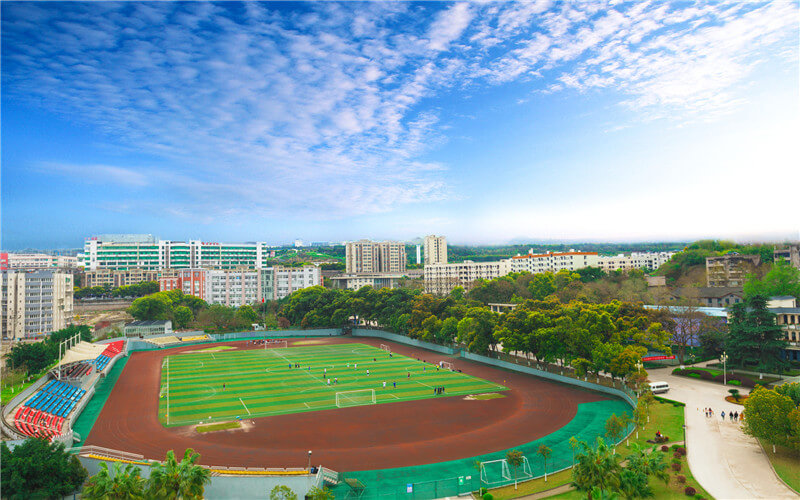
(486, 122)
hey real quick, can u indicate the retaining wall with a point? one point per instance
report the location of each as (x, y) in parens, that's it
(402, 339)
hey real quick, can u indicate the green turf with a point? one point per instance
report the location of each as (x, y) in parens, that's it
(259, 382)
(222, 426)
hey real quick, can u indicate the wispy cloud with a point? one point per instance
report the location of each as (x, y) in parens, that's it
(321, 108)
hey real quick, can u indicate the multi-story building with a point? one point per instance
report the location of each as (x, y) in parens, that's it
(366, 256)
(435, 249)
(554, 262)
(730, 270)
(716, 296)
(37, 261)
(34, 303)
(236, 287)
(144, 251)
(635, 260)
(441, 279)
(356, 281)
(788, 317)
(116, 279)
(790, 254)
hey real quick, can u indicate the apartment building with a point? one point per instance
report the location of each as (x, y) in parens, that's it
(790, 254)
(34, 303)
(144, 251)
(116, 279)
(635, 260)
(366, 256)
(36, 261)
(554, 262)
(788, 317)
(441, 279)
(730, 270)
(236, 287)
(435, 249)
(357, 281)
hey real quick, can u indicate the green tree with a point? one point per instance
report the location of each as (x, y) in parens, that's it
(39, 469)
(320, 494)
(153, 307)
(768, 416)
(596, 467)
(281, 492)
(182, 316)
(615, 426)
(542, 285)
(173, 479)
(782, 279)
(735, 394)
(754, 336)
(790, 390)
(514, 459)
(544, 452)
(246, 316)
(574, 445)
(123, 484)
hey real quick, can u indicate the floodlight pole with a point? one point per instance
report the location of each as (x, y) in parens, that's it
(309, 461)
(724, 368)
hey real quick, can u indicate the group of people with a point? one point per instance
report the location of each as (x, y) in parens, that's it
(438, 390)
(733, 416)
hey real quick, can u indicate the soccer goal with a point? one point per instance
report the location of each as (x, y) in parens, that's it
(498, 471)
(386, 348)
(446, 365)
(275, 344)
(355, 398)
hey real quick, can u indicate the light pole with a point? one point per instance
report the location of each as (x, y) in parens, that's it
(724, 368)
(309, 460)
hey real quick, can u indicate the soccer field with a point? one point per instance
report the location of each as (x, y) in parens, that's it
(260, 382)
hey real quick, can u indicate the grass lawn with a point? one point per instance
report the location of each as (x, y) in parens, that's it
(786, 463)
(489, 395)
(222, 426)
(533, 486)
(263, 382)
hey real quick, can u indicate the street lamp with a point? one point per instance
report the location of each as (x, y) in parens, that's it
(309, 460)
(724, 368)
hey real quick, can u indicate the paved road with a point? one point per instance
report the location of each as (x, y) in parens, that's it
(725, 461)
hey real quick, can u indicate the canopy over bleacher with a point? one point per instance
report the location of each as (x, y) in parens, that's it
(82, 352)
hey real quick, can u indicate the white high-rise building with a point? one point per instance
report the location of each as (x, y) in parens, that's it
(441, 279)
(435, 249)
(37, 261)
(34, 303)
(366, 256)
(554, 262)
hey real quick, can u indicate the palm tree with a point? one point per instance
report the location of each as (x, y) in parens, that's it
(514, 459)
(544, 452)
(125, 483)
(574, 444)
(179, 480)
(598, 493)
(596, 467)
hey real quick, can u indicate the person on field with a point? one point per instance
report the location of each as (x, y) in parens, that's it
(384, 384)
(367, 372)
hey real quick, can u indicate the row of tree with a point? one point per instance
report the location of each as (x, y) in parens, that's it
(36, 356)
(774, 415)
(190, 311)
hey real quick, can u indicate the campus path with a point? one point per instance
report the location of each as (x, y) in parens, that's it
(724, 460)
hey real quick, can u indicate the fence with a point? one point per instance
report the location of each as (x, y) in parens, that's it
(402, 339)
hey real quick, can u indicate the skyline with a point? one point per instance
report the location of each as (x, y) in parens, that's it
(485, 122)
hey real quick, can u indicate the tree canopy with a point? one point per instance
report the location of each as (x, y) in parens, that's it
(39, 469)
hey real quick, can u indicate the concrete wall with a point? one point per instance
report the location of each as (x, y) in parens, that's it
(402, 339)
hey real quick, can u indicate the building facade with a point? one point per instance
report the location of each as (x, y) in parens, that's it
(554, 262)
(635, 260)
(716, 296)
(36, 261)
(357, 281)
(124, 252)
(730, 270)
(441, 279)
(35, 303)
(790, 254)
(435, 249)
(116, 279)
(237, 287)
(366, 256)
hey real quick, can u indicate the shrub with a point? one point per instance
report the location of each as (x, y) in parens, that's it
(681, 450)
(689, 491)
(488, 496)
(694, 375)
(482, 492)
(664, 448)
(677, 454)
(734, 382)
(676, 466)
(681, 479)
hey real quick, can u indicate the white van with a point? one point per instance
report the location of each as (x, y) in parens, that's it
(656, 387)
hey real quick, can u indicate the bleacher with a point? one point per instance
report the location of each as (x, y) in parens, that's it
(163, 341)
(110, 351)
(76, 370)
(196, 338)
(44, 414)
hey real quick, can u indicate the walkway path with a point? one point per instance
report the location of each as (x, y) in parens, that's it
(724, 460)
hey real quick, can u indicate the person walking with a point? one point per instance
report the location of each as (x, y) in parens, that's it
(329, 381)
(722, 415)
(335, 380)
(394, 384)
(367, 372)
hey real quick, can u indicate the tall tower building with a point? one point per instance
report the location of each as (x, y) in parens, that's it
(364, 256)
(435, 250)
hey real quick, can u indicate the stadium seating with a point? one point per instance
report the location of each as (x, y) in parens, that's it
(44, 414)
(108, 354)
(196, 338)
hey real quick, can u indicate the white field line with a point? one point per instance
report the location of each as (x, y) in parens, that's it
(245, 407)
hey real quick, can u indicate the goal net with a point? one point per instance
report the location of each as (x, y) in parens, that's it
(446, 365)
(355, 398)
(386, 348)
(269, 344)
